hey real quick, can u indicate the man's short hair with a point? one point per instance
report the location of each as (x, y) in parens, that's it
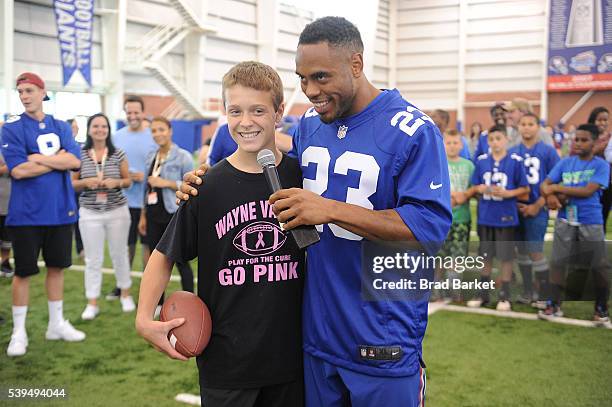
(443, 114)
(336, 31)
(522, 105)
(501, 129)
(591, 128)
(136, 99)
(531, 114)
(255, 75)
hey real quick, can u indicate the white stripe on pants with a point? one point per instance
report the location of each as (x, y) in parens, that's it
(97, 227)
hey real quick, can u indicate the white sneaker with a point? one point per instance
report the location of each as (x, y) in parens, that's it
(504, 306)
(64, 331)
(475, 303)
(18, 345)
(157, 312)
(90, 312)
(127, 304)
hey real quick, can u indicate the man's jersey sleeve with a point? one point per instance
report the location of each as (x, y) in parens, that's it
(296, 140)
(423, 187)
(552, 159)
(67, 141)
(180, 240)
(13, 146)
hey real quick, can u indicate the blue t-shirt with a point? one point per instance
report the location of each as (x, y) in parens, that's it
(388, 156)
(508, 173)
(538, 161)
(222, 145)
(136, 145)
(47, 199)
(574, 172)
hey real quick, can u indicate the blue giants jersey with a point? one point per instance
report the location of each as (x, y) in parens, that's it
(388, 156)
(574, 172)
(508, 173)
(47, 199)
(538, 161)
(222, 145)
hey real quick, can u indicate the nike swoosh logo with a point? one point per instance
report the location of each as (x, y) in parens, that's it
(434, 186)
(394, 353)
(5, 145)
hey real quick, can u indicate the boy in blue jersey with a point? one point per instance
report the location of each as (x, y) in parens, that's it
(539, 158)
(499, 178)
(374, 167)
(40, 152)
(574, 186)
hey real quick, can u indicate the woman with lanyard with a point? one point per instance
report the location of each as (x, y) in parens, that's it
(103, 213)
(166, 167)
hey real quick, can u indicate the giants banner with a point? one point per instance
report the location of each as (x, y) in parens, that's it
(580, 45)
(74, 30)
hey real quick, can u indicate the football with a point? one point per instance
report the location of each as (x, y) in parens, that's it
(191, 338)
(260, 239)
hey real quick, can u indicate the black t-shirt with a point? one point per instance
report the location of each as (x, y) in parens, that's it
(250, 274)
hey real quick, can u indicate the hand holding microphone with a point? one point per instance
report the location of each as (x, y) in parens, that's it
(304, 235)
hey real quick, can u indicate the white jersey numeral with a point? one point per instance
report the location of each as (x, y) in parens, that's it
(349, 160)
(532, 164)
(406, 117)
(495, 178)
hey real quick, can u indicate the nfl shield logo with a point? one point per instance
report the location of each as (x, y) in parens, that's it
(364, 352)
(342, 132)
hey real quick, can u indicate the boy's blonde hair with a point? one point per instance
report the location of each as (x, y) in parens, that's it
(451, 132)
(255, 75)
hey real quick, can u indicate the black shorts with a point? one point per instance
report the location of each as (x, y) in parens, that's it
(5, 238)
(496, 242)
(133, 236)
(55, 242)
(278, 395)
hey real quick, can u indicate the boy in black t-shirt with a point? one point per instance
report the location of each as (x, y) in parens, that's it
(250, 273)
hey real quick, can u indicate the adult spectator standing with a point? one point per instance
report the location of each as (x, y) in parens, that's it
(518, 108)
(136, 142)
(5, 241)
(40, 152)
(103, 213)
(165, 168)
(600, 117)
(474, 137)
(499, 115)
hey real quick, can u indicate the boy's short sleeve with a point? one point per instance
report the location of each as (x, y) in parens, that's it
(555, 174)
(602, 174)
(13, 148)
(180, 240)
(521, 175)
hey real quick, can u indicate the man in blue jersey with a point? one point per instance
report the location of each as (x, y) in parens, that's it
(136, 141)
(539, 158)
(374, 167)
(40, 152)
(574, 186)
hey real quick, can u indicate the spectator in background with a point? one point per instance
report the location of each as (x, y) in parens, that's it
(136, 142)
(499, 115)
(441, 118)
(5, 241)
(103, 213)
(74, 126)
(165, 169)
(600, 117)
(475, 130)
(518, 107)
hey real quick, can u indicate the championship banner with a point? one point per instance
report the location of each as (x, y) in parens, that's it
(580, 45)
(74, 20)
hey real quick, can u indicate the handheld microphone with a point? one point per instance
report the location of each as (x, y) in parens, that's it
(304, 235)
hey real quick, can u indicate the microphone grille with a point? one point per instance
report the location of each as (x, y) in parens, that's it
(265, 158)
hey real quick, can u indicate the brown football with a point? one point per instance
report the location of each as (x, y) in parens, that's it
(191, 338)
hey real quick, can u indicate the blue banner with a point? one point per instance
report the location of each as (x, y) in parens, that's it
(74, 20)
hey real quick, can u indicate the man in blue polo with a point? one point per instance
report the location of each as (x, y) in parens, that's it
(40, 152)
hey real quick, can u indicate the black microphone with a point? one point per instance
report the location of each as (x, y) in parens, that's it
(304, 235)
